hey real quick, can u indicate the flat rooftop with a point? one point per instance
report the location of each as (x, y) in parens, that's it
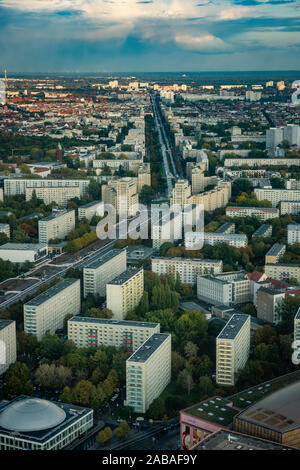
(279, 411)
(228, 440)
(23, 246)
(112, 322)
(199, 260)
(125, 276)
(54, 290)
(233, 326)
(144, 352)
(216, 410)
(103, 259)
(242, 208)
(55, 216)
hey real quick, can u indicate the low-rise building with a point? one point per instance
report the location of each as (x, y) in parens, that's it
(47, 312)
(124, 292)
(283, 271)
(197, 239)
(59, 195)
(227, 227)
(88, 332)
(262, 213)
(148, 372)
(289, 207)
(22, 252)
(8, 344)
(98, 273)
(226, 288)
(265, 230)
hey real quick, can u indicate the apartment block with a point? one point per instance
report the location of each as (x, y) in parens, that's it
(232, 349)
(56, 226)
(274, 254)
(258, 162)
(98, 273)
(89, 332)
(275, 196)
(15, 186)
(5, 228)
(144, 176)
(46, 312)
(124, 292)
(148, 372)
(60, 196)
(289, 207)
(226, 288)
(121, 193)
(297, 327)
(188, 269)
(8, 344)
(180, 193)
(194, 239)
(89, 210)
(265, 230)
(268, 300)
(293, 231)
(167, 228)
(262, 213)
(283, 271)
(214, 199)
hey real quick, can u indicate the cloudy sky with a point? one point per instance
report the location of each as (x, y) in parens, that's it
(149, 35)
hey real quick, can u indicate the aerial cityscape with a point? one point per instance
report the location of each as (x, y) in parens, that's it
(149, 227)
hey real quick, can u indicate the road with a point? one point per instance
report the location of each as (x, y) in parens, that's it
(169, 175)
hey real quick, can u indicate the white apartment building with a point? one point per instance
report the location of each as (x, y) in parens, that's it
(148, 372)
(60, 196)
(56, 226)
(226, 288)
(293, 232)
(187, 268)
(283, 271)
(8, 344)
(195, 239)
(262, 213)
(259, 162)
(232, 349)
(214, 199)
(167, 228)
(5, 228)
(289, 207)
(21, 252)
(124, 292)
(274, 137)
(98, 273)
(275, 196)
(89, 332)
(180, 193)
(15, 186)
(89, 210)
(121, 193)
(46, 312)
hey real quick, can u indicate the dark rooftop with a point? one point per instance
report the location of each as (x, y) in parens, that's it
(54, 290)
(144, 352)
(233, 326)
(112, 322)
(103, 259)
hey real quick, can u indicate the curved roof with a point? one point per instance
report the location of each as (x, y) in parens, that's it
(279, 411)
(31, 414)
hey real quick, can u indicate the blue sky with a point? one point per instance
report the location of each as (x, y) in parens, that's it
(149, 35)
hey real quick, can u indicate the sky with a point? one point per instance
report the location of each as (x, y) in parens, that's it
(107, 36)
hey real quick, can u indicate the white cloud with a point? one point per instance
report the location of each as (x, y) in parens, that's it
(235, 13)
(204, 42)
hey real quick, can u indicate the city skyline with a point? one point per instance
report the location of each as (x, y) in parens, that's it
(104, 36)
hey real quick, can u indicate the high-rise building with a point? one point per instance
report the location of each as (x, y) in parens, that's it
(89, 210)
(46, 312)
(59, 195)
(8, 344)
(148, 372)
(56, 226)
(180, 193)
(89, 332)
(16, 186)
(124, 292)
(121, 193)
(232, 349)
(98, 273)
